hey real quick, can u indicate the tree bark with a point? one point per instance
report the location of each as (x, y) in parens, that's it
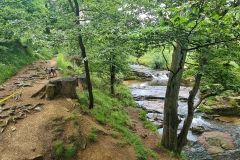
(182, 137)
(82, 47)
(112, 77)
(64, 86)
(82, 82)
(171, 121)
(50, 91)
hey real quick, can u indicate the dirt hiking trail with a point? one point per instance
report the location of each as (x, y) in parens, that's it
(30, 127)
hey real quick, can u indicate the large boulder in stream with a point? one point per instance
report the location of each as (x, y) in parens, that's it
(225, 106)
(217, 142)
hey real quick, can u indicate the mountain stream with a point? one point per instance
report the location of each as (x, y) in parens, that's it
(149, 93)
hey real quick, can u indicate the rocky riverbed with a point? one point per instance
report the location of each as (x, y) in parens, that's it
(212, 136)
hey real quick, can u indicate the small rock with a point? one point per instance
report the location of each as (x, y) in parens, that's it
(198, 130)
(13, 129)
(144, 135)
(2, 88)
(38, 109)
(37, 158)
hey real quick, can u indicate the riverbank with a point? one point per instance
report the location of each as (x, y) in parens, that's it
(151, 98)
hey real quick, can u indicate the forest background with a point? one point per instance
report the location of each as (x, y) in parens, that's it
(100, 39)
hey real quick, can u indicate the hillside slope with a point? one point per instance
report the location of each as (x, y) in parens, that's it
(34, 128)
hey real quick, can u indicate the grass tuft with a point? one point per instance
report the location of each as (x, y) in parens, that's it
(65, 152)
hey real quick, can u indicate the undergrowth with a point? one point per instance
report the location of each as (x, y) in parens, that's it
(14, 55)
(146, 123)
(110, 110)
(63, 151)
(181, 156)
(66, 146)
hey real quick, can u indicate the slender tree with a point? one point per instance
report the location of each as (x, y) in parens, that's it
(84, 56)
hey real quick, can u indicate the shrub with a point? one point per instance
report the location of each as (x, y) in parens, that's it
(65, 152)
(92, 137)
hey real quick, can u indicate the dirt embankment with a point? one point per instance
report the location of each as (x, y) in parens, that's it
(31, 127)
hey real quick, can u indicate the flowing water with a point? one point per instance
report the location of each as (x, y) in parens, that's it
(149, 94)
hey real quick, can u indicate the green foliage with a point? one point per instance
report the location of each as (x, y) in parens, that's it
(159, 144)
(93, 135)
(63, 63)
(146, 123)
(229, 93)
(181, 156)
(111, 110)
(233, 102)
(159, 61)
(126, 98)
(219, 75)
(2, 125)
(84, 99)
(15, 57)
(73, 117)
(114, 134)
(135, 140)
(59, 129)
(65, 152)
(205, 109)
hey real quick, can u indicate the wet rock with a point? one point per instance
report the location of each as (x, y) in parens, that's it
(153, 106)
(217, 142)
(158, 124)
(196, 151)
(227, 110)
(221, 120)
(205, 116)
(229, 155)
(158, 82)
(224, 106)
(142, 74)
(198, 129)
(155, 116)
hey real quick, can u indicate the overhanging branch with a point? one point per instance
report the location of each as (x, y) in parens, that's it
(213, 43)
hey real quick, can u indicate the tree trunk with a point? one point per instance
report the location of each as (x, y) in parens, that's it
(82, 47)
(112, 77)
(65, 87)
(171, 121)
(182, 137)
(82, 82)
(50, 91)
